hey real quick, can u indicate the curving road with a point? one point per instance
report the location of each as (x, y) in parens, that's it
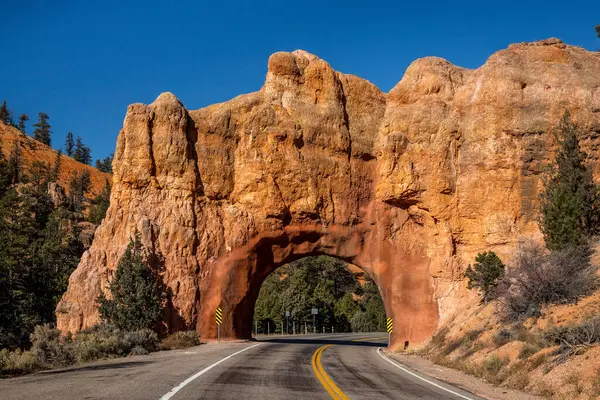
(342, 366)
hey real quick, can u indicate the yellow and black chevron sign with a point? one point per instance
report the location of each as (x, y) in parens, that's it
(389, 324)
(219, 316)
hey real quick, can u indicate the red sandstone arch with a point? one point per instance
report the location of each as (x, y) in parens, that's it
(235, 281)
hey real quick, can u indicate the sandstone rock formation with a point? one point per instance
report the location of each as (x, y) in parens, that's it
(408, 185)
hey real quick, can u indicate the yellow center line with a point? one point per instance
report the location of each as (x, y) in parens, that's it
(373, 338)
(330, 387)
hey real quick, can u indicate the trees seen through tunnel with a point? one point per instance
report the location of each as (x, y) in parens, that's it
(344, 300)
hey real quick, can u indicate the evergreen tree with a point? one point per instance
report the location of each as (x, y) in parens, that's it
(69, 144)
(5, 174)
(14, 163)
(570, 203)
(485, 274)
(55, 173)
(42, 131)
(82, 152)
(598, 30)
(134, 302)
(105, 165)
(23, 215)
(100, 205)
(79, 184)
(5, 114)
(39, 248)
(324, 283)
(39, 173)
(23, 118)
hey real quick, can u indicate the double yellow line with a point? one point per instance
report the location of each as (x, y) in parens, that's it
(332, 389)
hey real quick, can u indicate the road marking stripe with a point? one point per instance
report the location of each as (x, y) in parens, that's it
(373, 338)
(322, 376)
(420, 377)
(205, 370)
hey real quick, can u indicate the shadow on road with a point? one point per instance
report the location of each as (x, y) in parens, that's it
(98, 367)
(364, 343)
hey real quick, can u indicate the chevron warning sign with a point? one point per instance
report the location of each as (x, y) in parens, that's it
(389, 325)
(219, 316)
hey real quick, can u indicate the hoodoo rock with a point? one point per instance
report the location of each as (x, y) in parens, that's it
(408, 185)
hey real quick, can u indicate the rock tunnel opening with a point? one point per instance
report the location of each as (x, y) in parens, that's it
(344, 296)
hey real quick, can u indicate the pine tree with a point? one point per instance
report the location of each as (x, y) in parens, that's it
(69, 144)
(485, 274)
(23, 118)
(598, 30)
(78, 186)
(105, 165)
(134, 302)
(570, 203)
(5, 114)
(100, 205)
(5, 174)
(42, 131)
(55, 173)
(14, 163)
(82, 152)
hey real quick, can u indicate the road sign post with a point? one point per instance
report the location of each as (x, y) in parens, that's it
(219, 320)
(314, 312)
(389, 324)
(287, 322)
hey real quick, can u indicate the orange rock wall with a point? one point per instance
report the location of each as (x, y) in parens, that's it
(408, 185)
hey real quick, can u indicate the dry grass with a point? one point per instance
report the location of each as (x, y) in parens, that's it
(180, 340)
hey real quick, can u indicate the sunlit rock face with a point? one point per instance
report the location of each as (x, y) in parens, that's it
(408, 185)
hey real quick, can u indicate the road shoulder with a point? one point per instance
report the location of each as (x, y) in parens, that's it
(459, 379)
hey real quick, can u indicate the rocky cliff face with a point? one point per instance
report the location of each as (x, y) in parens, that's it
(408, 185)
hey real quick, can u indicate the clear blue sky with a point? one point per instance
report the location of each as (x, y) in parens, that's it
(83, 62)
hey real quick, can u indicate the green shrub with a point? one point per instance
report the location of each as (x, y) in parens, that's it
(180, 340)
(528, 350)
(493, 364)
(105, 341)
(502, 337)
(49, 349)
(485, 274)
(18, 362)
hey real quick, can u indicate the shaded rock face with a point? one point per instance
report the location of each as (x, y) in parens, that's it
(408, 185)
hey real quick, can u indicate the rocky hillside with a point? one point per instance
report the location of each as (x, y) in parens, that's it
(32, 150)
(409, 185)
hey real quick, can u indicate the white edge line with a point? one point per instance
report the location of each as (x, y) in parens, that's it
(205, 370)
(420, 377)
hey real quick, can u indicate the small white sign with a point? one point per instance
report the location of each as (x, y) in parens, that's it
(314, 311)
(287, 313)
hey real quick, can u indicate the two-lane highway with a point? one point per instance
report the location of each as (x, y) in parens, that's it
(341, 366)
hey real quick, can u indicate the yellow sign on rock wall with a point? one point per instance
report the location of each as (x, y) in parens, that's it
(390, 325)
(219, 316)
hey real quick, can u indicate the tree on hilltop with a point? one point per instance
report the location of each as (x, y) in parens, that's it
(598, 30)
(105, 165)
(69, 144)
(82, 153)
(5, 114)
(42, 131)
(23, 118)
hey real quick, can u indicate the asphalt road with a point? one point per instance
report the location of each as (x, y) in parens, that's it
(342, 366)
